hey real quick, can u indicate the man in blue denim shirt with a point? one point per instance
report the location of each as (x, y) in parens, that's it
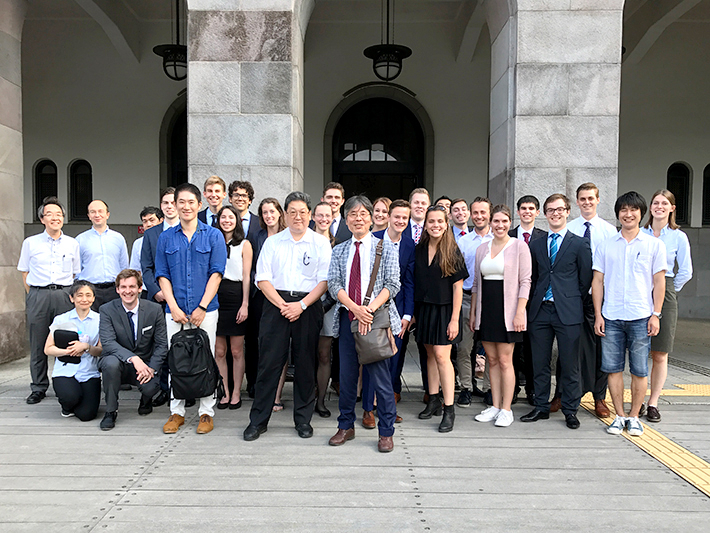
(189, 264)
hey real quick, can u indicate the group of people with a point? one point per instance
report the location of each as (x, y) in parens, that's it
(299, 283)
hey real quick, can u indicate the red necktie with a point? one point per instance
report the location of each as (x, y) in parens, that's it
(417, 233)
(354, 285)
(462, 234)
(526, 236)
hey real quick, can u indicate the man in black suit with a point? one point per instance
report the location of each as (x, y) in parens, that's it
(560, 279)
(135, 344)
(528, 210)
(334, 194)
(214, 191)
(241, 195)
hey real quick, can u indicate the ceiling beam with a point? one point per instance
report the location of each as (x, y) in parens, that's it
(119, 23)
(469, 40)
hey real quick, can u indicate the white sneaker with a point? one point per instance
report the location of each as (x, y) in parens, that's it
(617, 426)
(634, 427)
(504, 419)
(487, 415)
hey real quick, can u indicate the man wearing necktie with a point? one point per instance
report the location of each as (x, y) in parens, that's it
(459, 216)
(561, 276)
(214, 191)
(135, 344)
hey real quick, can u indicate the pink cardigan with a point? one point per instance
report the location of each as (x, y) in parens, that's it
(516, 279)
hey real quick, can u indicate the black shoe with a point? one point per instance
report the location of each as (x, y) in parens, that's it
(488, 398)
(146, 405)
(572, 421)
(126, 386)
(221, 405)
(478, 393)
(323, 413)
(515, 399)
(652, 414)
(109, 421)
(251, 392)
(447, 422)
(234, 406)
(252, 432)
(531, 398)
(161, 399)
(642, 409)
(464, 398)
(534, 416)
(190, 403)
(35, 397)
(305, 431)
(433, 407)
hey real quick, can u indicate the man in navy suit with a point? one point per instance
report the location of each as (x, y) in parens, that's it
(528, 211)
(396, 233)
(150, 245)
(560, 280)
(214, 191)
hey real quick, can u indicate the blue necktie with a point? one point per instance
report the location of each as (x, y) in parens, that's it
(553, 256)
(332, 228)
(588, 231)
(133, 327)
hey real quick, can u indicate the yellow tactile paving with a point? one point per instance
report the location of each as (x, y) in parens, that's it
(686, 464)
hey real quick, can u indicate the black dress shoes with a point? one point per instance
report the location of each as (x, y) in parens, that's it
(146, 405)
(534, 416)
(478, 393)
(35, 397)
(488, 397)
(572, 421)
(252, 432)
(305, 431)
(323, 413)
(161, 399)
(109, 421)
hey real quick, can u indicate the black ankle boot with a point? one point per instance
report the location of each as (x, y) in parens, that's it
(447, 422)
(433, 408)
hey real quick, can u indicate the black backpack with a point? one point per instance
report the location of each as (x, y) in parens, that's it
(193, 370)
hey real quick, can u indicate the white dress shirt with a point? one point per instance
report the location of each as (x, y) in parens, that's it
(520, 236)
(103, 255)
(628, 269)
(291, 265)
(677, 249)
(458, 233)
(600, 230)
(135, 262)
(50, 261)
(468, 244)
(335, 225)
(246, 220)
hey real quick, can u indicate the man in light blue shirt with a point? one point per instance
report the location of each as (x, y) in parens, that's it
(103, 254)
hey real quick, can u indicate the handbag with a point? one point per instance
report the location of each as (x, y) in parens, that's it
(378, 344)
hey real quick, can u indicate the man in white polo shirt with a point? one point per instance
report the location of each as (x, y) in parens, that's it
(628, 290)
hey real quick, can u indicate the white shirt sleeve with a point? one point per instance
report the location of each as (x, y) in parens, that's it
(324, 254)
(264, 263)
(659, 261)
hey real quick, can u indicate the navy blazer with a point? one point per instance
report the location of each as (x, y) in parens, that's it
(571, 277)
(150, 246)
(536, 233)
(404, 301)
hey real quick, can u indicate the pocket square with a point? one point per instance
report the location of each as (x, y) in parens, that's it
(147, 328)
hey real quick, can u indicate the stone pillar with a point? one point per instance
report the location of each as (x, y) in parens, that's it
(13, 337)
(244, 103)
(555, 88)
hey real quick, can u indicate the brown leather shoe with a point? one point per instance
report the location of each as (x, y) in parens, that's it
(555, 405)
(173, 424)
(601, 409)
(397, 397)
(342, 436)
(368, 420)
(398, 419)
(385, 444)
(206, 424)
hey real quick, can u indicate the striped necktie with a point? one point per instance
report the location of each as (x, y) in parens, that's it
(553, 256)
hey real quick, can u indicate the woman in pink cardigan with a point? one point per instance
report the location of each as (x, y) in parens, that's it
(501, 280)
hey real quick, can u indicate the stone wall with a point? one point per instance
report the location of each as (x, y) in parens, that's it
(694, 299)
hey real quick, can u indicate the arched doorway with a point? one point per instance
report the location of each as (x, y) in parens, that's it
(378, 149)
(173, 144)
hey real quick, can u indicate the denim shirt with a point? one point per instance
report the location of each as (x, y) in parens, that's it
(189, 265)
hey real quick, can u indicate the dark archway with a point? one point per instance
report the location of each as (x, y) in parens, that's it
(378, 149)
(173, 144)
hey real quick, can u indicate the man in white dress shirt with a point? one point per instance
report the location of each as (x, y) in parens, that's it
(460, 215)
(48, 262)
(292, 272)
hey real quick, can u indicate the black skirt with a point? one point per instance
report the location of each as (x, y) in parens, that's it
(492, 327)
(432, 321)
(229, 296)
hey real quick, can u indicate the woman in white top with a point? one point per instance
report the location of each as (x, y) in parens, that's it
(76, 378)
(233, 296)
(661, 223)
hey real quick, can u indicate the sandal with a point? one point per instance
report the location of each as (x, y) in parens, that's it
(277, 407)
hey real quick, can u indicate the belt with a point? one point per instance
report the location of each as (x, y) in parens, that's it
(468, 291)
(548, 302)
(293, 294)
(104, 285)
(52, 287)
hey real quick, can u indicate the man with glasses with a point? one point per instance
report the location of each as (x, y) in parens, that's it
(292, 272)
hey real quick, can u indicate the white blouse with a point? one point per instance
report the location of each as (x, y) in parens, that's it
(493, 268)
(234, 270)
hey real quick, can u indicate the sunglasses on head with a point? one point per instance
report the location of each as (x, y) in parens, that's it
(436, 208)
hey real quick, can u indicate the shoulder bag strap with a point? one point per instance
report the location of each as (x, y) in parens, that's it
(373, 274)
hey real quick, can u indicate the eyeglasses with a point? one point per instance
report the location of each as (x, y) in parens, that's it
(240, 195)
(558, 210)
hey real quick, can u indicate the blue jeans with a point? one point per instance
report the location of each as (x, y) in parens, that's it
(622, 335)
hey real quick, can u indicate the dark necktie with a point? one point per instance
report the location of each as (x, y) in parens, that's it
(133, 327)
(354, 285)
(215, 224)
(332, 228)
(588, 231)
(553, 256)
(526, 237)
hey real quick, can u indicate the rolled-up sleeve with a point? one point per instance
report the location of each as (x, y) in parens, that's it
(325, 253)
(660, 261)
(264, 263)
(161, 260)
(218, 257)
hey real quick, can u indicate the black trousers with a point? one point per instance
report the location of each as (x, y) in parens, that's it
(115, 372)
(80, 398)
(522, 362)
(251, 339)
(542, 331)
(278, 336)
(103, 295)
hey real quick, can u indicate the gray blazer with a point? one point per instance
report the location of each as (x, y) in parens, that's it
(116, 338)
(387, 277)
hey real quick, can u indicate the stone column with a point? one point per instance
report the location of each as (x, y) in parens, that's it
(13, 337)
(244, 104)
(555, 88)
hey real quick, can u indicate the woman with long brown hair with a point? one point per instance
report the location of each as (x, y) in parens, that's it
(439, 271)
(661, 223)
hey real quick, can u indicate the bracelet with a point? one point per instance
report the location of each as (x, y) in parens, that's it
(203, 308)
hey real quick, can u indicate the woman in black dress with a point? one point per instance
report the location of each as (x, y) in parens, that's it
(439, 271)
(233, 295)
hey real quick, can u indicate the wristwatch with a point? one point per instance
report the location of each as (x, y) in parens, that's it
(303, 306)
(659, 315)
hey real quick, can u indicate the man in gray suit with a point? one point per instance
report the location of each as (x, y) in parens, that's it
(135, 344)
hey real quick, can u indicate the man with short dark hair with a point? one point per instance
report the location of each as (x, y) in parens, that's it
(334, 195)
(241, 195)
(459, 215)
(103, 254)
(48, 262)
(135, 344)
(445, 202)
(150, 216)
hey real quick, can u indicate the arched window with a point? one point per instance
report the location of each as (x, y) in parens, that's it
(45, 182)
(678, 183)
(80, 189)
(706, 196)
